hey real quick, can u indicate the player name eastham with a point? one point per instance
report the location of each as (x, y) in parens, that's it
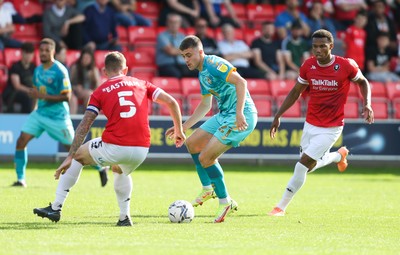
(120, 84)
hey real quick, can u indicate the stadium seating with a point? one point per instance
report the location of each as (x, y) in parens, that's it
(250, 35)
(351, 109)
(141, 64)
(2, 60)
(123, 37)
(378, 90)
(72, 57)
(164, 111)
(27, 33)
(381, 109)
(149, 9)
(354, 91)
(240, 10)
(28, 8)
(142, 36)
(281, 88)
(259, 87)
(396, 109)
(11, 56)
(293, 112)
(192, 101)
(3, 77)
(168, 84)
(393, 89)
(259, 13)
(190, 86)
(278, 8)
(139, 59)
(264, 107)
(99, 57)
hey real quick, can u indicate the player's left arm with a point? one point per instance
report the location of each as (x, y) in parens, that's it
(365, 89)
(240, 85)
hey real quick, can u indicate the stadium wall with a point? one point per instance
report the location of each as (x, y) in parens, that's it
(377, 142)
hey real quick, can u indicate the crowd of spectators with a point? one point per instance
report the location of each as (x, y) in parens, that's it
(367, 31)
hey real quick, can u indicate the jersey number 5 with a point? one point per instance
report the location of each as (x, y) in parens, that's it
(125, 102)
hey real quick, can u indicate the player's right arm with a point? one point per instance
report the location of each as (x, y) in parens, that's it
(290, 99)
(80, 134)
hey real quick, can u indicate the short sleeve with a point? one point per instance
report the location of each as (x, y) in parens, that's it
(221, 68)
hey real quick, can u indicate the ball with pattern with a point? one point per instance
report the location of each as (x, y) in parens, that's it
(181, 211)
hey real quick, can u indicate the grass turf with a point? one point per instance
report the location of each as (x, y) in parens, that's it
(356, 212)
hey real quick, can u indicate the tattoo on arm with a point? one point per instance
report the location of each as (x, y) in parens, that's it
(81, 131)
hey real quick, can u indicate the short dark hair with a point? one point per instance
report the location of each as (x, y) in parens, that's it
(322, 33)
(28, 47)
(190, 41)
(49, 42)
(115, 61)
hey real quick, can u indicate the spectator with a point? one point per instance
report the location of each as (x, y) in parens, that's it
(127, 15)
(168, 56)
(210, 46)
(283, 22)
(85, 76)
(267, 54)
(7, 11)
(327, 6)
(189, 10)
(100, 27)
(378, 22)
(238, 53)
(211, 11)
(354, 42)
(295, 50)
(395, 8)
(317, 19)
(378, 60)
(63, 24)
(20, 81)
(61, 54)
(346, 11)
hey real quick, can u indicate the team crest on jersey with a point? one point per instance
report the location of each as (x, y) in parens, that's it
(208, 80)
(49, 80)
(336, 67)
(222, 68)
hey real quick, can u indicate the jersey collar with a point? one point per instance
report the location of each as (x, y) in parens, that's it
(328, 64)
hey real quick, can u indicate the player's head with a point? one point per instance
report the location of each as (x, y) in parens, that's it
(27, 50)
(115, 64)
(47, 48)
(192, 52)
(322, 45)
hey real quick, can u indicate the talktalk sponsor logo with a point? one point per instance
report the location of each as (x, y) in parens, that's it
(6, 136)
(331, 83)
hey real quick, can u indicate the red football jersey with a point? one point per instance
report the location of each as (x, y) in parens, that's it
(124, 101)
(328, 88)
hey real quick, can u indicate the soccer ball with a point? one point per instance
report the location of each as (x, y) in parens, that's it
(181, 211)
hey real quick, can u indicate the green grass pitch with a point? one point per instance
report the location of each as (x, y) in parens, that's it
(356, 212)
